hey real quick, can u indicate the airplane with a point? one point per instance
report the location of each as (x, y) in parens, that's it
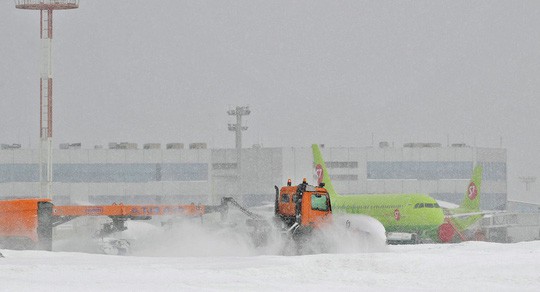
(408, 218)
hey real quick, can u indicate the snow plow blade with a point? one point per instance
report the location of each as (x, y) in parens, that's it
(349, 234)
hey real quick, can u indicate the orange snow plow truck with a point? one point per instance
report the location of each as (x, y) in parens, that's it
(299, 210)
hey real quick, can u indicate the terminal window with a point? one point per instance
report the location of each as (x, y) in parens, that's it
(107, 172)
(341, 164)
(433, 170)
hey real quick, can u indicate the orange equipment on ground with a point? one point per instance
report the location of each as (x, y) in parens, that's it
(28, 223)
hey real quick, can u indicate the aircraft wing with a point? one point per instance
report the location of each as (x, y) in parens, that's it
(458, 215)
(447, 205)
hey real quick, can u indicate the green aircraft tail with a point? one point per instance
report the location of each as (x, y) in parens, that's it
(321, 172)
(471, 201)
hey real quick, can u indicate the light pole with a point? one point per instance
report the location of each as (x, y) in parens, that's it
(239, 112)
(527, 180)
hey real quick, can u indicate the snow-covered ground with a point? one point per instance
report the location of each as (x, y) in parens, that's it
(467, 266)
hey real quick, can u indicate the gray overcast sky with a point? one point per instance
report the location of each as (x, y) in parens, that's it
(329, 72)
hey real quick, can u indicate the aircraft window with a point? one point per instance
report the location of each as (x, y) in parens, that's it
(319, 202)
(416, 206)
(285, 198)
(421, 205)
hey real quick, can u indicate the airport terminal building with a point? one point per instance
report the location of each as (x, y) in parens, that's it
(127, 173)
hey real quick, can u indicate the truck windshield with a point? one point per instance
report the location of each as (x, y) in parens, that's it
(285, 198)
(319, 202)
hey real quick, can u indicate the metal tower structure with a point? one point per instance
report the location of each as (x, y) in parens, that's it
(46, 8)
(527, 180)
(239, 112)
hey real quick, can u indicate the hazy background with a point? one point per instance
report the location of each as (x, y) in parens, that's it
(331, 72)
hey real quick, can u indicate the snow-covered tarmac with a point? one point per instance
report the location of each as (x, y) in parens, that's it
(466, 266)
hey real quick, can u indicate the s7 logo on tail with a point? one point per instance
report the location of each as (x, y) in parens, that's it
(472, 191)
(319, 172)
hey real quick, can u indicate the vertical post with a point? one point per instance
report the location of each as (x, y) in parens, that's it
(527, 180)
(239, 111)
(46, 8)
(238, 132)
(46, 100)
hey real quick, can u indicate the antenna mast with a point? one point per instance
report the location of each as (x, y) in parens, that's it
(46, 8)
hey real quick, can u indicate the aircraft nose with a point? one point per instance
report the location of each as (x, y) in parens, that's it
(446, 232)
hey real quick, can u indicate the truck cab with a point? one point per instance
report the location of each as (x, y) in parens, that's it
(304, 204)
